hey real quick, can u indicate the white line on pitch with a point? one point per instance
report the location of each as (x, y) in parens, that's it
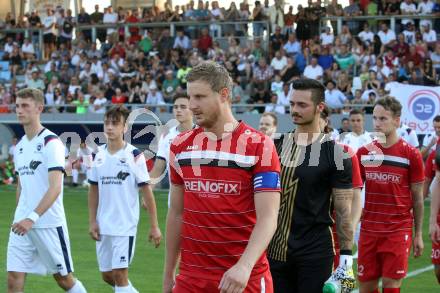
(409, 275)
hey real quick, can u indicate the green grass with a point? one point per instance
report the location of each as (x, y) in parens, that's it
(147, 266)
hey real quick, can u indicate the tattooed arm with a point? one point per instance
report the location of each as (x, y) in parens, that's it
(342, 199)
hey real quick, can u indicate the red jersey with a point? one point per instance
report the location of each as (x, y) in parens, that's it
(388, 174)
(220, 178)
(430, 165)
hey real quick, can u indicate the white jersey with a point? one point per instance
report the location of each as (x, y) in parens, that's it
(163, 149)
(408, 134)
(33, 160)
(118, 177)
(428, 138)
(355, 141)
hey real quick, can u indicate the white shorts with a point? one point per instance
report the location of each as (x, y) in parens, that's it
(115, 252)
(41, 251)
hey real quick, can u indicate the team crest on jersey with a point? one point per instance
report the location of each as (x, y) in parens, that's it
(39, 147)
(20, 151)
(123, 162)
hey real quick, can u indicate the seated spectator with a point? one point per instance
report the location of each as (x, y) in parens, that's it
(36, 81)
(277, 84)
(366, 35)
(334, 98)
(154, 97)
(383, 72)
(345, 59)
(435, 57)
(387, 36)
(429, 74)
(325, 59)
(146, 44)
(258, 51)
(182, 41)
(314, 70)
(345, 35)
(413, 56)
(169, 86)
(80, 103)
(205, 41)
(327, 38)
(100, 103)
(262, 73)
(390, 60)
(276, 40)
(344, 85)
(429, 35)
(119, 97)
(401, 49)
(274, 106)
(292, 46)
(279, 62)
(410, 34)
(28, 50)
(290, 71)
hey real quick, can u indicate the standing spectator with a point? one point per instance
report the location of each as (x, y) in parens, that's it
(276, 15)
(133, 17)
(429, 74)
(169, 86)
(96, 18)
(258, 16)
(110, 18)
(289, 20)
(351, 10)
(66, 30)
(232, 14)
(165, 44)
(345, 35)
(83, 18)
(302, 25)
(49, 34)
(334, 9)
(216, 16)
(407, 8)
(410, 34)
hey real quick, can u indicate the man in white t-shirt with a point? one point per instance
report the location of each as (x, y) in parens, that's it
(366, 35)
(430, 140)
(429, 35)
(279, 62)
(387, 36)
(407, 8)
(313, 70)
(408, 134)
(334, 98)
(100, 102)
(82, 162)
(358, 136)
(39, 240)
(118, 172)
(327, 38)
(110, 17)
(184, 116)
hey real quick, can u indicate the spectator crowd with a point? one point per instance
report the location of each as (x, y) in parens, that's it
(264, 47)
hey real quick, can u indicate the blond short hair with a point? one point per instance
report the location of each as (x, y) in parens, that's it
(212, 73)
(33, 94)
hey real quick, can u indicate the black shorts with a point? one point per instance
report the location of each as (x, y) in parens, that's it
(49, 38)
(300, 275)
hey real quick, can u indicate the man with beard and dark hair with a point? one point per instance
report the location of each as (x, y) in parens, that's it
(315, 172)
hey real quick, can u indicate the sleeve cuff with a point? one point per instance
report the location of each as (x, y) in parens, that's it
(56, 169)
(93, 182)
(160, 158)
(142, 184)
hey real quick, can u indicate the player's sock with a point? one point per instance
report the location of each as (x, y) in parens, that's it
(125, 289)
(75, 175)
(78, 287)
(391, 290)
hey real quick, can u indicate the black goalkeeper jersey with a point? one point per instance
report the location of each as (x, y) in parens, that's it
(308, 175)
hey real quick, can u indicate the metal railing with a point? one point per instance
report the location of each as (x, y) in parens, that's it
(159, 108)
(391, 18)
(243, 26)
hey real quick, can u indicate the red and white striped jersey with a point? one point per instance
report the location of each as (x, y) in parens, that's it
(388, 174)
(220, 177)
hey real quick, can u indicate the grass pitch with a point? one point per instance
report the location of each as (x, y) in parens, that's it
(147, 267)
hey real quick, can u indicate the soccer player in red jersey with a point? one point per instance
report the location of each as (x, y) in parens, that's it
(393, 174)
(224, 196)
(434, 220)
(429, 172)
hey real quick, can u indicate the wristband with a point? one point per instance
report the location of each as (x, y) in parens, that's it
(346, 260)
(33, 217)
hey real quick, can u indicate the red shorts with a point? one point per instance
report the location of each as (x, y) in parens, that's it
(435, 254)
(185, 284)
(383, 256)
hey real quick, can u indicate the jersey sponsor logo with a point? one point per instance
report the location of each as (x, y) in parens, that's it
(115, 180)
(382, 177)
(59, 267)
(213, 186)
(122, 175)
(34, 164)
(192, 147)
(122, 259)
